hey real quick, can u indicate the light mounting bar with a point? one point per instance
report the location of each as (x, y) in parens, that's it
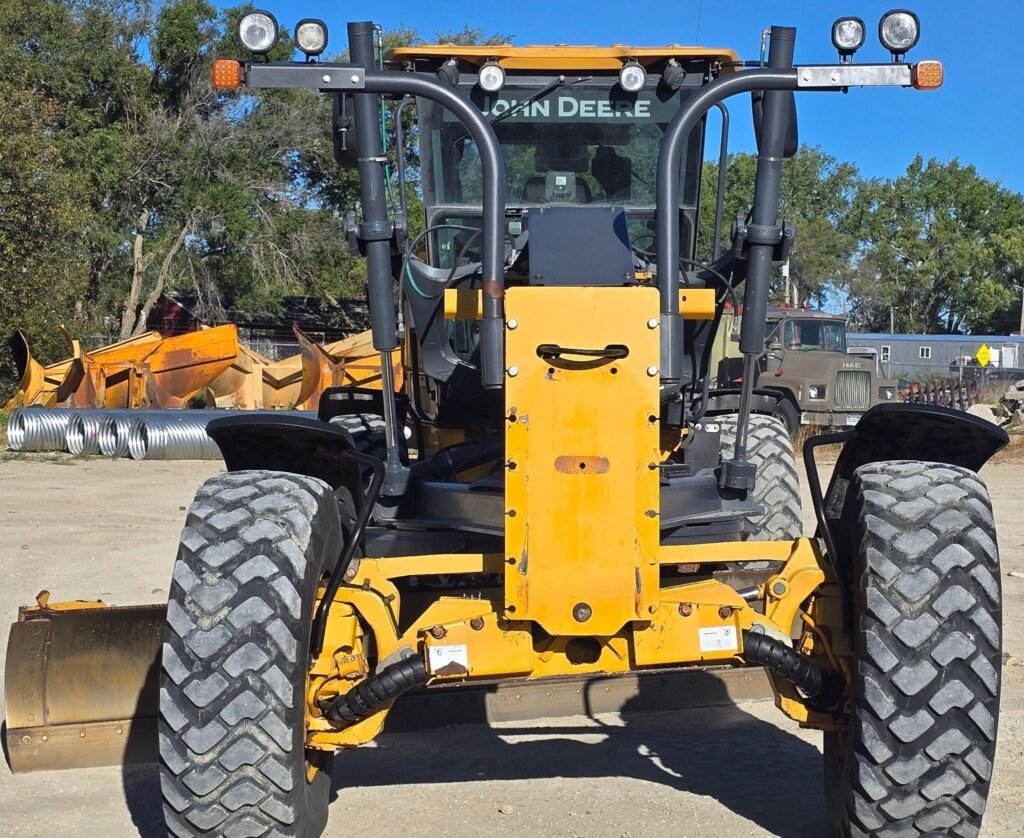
(328, 77)
(832, 76)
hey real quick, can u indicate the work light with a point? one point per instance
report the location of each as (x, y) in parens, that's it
(258, 32)
(673, 75)
(848, 35)
(449, 72)
(492, 77)
(898, 31)
(632, 77)
(311, 36)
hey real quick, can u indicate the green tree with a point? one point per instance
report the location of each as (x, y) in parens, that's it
(941, 249)
(43, 267)
(817, 193)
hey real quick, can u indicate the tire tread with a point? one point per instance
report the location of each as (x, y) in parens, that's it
(233, 669)
(923, 723)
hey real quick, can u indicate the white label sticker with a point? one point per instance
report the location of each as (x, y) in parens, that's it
(446, 656)
(852, 420)
(721, 639)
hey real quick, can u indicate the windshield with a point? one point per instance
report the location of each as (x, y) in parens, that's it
(585, 141)
(816, 334)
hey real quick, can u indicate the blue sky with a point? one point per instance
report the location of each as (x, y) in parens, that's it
(970, 117)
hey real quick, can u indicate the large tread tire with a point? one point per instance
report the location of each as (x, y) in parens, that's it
(916, 758)
(777, 489)
(235, 657)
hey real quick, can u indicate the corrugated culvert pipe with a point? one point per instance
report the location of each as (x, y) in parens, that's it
(113, 434)
(37, 429)
(179, 437)
(82, 435)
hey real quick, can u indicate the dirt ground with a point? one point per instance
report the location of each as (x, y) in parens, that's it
(94, 528)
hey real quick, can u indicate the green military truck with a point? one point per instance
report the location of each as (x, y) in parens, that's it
(806, 362)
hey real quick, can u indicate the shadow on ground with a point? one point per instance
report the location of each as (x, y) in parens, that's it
(758, 771)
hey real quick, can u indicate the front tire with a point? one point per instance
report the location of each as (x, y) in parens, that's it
(916, 757)
(235, 658)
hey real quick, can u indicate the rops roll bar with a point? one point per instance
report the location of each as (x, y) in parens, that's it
(763, 231)
(347, 78)
(670, 158)
(673, 145)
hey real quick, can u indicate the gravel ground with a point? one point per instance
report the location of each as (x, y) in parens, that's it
(94, 528)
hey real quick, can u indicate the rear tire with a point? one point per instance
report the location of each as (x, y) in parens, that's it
(235, 657)
(367, 431)
(917, 755)
(777, 489)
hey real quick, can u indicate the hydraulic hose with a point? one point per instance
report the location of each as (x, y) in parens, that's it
(823, 688)
(373, 694)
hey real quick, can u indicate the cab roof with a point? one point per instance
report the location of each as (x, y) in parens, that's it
(560, 56)
(779, 312)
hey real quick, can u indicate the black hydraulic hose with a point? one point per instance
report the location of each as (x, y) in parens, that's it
(403, 198)
(373, 694)
(823, 688)
(355, 538)
(723, 158)
(492, 327)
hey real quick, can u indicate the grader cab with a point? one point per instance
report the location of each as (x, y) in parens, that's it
(572, 498)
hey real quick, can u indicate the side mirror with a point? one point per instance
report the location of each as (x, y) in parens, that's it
(792, 135)
(343, 125)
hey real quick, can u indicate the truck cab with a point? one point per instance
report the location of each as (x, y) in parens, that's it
(807, 363)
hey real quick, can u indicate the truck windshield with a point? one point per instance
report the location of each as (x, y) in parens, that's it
(584, 142)
(816, 334)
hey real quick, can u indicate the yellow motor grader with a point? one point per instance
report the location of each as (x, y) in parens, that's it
(573, 499)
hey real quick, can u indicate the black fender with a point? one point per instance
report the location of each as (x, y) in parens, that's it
(727, 400)
(289, 443)
(893, 432)
(919, 432)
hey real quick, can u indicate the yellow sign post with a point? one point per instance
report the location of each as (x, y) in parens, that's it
(984, 355)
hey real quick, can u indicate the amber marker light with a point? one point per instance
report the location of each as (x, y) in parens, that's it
(227, 74)
(927, 75)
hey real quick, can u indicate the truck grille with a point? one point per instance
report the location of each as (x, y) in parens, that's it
(853, 390)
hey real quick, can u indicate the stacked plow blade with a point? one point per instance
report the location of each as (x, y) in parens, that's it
(209, 367)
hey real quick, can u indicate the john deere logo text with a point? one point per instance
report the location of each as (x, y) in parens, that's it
(566, 107)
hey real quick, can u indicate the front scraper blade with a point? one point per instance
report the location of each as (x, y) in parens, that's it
(81, 685)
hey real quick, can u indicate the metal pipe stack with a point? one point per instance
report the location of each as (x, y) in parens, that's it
(143, 434)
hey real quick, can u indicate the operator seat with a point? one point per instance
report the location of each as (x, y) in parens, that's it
(558, 155)
(533, 191)
(613, 173)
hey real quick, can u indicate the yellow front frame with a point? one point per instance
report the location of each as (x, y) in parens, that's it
(581, 588)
